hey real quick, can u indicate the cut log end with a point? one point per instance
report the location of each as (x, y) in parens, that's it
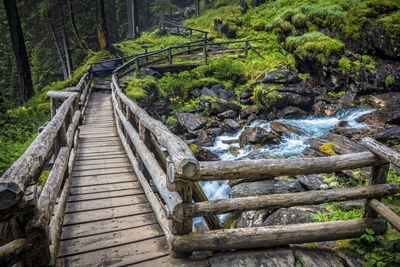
(10, 194)
(190, 168)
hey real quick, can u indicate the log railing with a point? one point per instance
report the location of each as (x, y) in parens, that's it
(30, 220)
(182, 30)
(178, 197)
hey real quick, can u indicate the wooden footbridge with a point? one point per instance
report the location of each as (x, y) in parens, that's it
(123, 190)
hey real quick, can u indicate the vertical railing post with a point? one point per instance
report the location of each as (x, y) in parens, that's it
(205, 53)
(246, 48)
(137, 65)
(177, 28)
(378, 176)
(169, 55)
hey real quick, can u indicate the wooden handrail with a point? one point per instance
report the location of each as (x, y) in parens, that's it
(182, 157)
(389, 154)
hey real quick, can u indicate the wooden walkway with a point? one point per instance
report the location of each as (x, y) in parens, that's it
(108, 221)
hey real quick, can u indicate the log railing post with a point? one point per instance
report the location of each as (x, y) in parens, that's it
(137, 65)
(246, 48)
(177, 29)
(378, 176)
(169, 55)
(205, 53)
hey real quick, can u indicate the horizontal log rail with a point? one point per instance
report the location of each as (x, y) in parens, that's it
(255, 169)
(389, 154)
(277, 201)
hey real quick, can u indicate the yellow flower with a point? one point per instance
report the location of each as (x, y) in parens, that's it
(180, 102)
(171, 99)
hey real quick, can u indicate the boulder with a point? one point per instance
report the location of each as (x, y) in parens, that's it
(284, 99)
(317, 257)
(214, 131)
(226, 95)
(380, 117)
(258, 136)
(381, 100)
(204, 139)
(191, 121)
(389, 136)
(214, 106)
(285, 75)
(354, 133)
(224, 29)
(332, 144)
(291, 113)
(246, 112)
(203, 154)
(230, 125)
(312, 182)
(150, 72)
(207, 92)
(284, 128)
(266, 187)
(285, 216)
(229, 114)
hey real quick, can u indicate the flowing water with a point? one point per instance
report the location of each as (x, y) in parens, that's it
(291, 144)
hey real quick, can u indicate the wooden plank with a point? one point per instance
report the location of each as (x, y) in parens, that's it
(106, 214)
(106, 226)
(103, 171)
(98, 135)
(105, 203)
(97, 132)
(385, 212)
(121, 255)
(95, 189)
(89, 150)
(82, 157)
(103, 179)
(122, 163)
(89, 162)
(105, 195)
(95, 141)
(100, 144)
(107, 240)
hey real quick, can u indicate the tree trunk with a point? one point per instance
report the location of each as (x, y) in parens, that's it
(197, 7)
(82, 42)
(133, 19)
(59, 51)
(18, 43)
(102, 33)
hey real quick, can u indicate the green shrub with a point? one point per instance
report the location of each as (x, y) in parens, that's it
(344, 64)
(389, 81)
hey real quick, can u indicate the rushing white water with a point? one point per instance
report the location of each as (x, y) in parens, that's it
(291, 144)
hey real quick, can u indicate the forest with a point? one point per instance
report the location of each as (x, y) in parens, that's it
(263, 95)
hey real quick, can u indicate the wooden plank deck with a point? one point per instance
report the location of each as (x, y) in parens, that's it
(108, 220)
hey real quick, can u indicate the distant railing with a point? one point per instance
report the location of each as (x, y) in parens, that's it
(182, 30)
(30, 223)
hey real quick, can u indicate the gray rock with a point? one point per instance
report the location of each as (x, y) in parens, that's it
(204, 139)
(380, 117)
(207, 92)
(266, 187)
(230, 125)
(214, 131)
(215, 106)
(280, 128)
(291, 113)
(316, 258)
(191, 121)
(229, 114)
(311, 182)
(258, 136)
(246, 112)
(342, 144)
(203, 154)
(276, 257)
(389, 136)
(288, 216)
(226, 95)
(285, 75)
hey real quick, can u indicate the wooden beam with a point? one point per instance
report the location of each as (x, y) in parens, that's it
(11, 253)
(385, 212)
(277, 201)
(29, 165)
(212, 220)
(172, 199)
(279, 235)
(253, 169)
(182, 157)
(389, 154)
(378, 176)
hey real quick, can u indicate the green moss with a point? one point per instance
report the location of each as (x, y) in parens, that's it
(136, 86)
(389, 81)
(194, 148)
(170, 120)
(314, 44)
(337, 95)
(328, 149)
(344, 64)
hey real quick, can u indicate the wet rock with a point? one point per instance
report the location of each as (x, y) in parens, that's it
(201, 227)
(207, 92)
(230, 125)
(258, 136)
(380, 117)
(287, 99)
(354, 133)
(214, 131)
(191, 121)
(276, 257)
(316, 257)
(266, 187)
(246, 112)
(337, 143)
(229, 114)
(203, 154)
(389, 136)
(234, 150)
(284, 128)
(342, 124)
(222, 93)
(291, 113)
(215, 106)
(285, 75)
(204, 139)
(312, 182)
(380, 101)
(150, 72)
(285, 216)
